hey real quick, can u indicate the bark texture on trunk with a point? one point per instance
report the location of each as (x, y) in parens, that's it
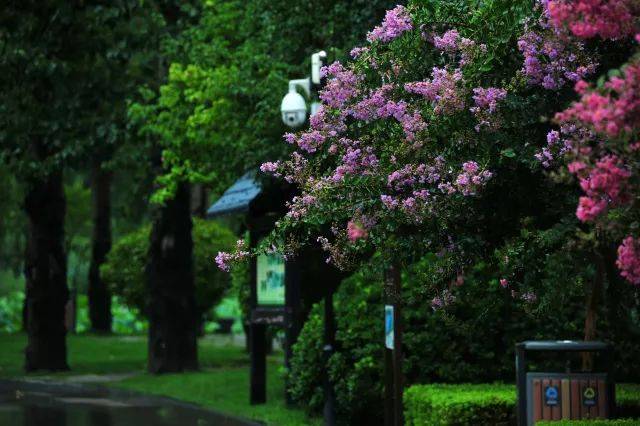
(173, 325)
(45, 272)
(591, 314)
(98, 293)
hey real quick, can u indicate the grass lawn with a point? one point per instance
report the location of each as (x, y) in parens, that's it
(222, 384)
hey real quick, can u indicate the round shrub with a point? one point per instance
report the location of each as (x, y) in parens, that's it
(124, 270)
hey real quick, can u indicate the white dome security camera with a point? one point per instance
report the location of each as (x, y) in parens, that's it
(294, 107)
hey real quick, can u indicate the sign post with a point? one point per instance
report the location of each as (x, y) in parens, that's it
(394, 380)
(268, 291)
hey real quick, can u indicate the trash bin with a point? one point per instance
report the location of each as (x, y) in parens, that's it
(564, 395)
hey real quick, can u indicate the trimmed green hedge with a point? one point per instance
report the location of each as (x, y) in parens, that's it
(491, 404)
(427, 405)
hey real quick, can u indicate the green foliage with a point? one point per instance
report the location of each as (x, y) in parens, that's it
(217, 113)
(615, 422)
(221, 385)
(124, 270)
(463, 405)
(126, 320)
(11, 312)
(68, 67)
(241, 284)
(12, 223)
(193, 117)
(471, 340)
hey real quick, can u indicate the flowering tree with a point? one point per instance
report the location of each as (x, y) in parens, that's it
(411, 133)
(375, 161)
(599, 131)
(438, 138)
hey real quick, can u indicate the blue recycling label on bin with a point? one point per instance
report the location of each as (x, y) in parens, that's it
(551, 395)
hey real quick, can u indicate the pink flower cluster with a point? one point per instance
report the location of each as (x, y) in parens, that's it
(452, 43)
(224, 259)
(471, 178)
(604, 186)
(609, 19)
(358, 227)
(571, 139)
(448, 41)
(299, 206)
(551, 61)
(378, 106)
(614, 110)
(342, 87)
(355, 161)
(270, 168)
(356, 231)
(410, 185)
(396, 22)
(331, 125)
(486, 104)
(443, 300)
(629, 260)
(443, 90)
(487, 99)
(356, 52)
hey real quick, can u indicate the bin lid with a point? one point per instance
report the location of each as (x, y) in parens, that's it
(565, 345)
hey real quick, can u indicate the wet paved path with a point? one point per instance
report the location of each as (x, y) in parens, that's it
(46, 403)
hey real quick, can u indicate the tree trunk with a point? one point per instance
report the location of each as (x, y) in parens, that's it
(591, 315)
(98, 293)
(199, 199)
(172, 309)
(46, 275)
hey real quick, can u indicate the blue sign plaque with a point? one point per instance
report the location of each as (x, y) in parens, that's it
(388, 326)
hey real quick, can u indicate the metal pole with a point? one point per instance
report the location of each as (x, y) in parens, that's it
(521, 383)
(394, 378)
(293, 321)
(258, 335)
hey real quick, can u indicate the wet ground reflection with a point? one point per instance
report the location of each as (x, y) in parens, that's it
(49, 404)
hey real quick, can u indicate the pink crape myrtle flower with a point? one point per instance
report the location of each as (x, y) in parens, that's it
(448, 41)
(396, 22)
(552, 57)
(612, 112)
(341, 87)
(604, 186)
(609, 19)
(355, 231)
(471, 178)
(629, 260)
(443, 90)
(224, 259)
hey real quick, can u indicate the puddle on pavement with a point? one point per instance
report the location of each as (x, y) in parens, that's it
(48, 404)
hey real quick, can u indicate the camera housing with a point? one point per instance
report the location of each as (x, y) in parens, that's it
(293, 109)
(293, 106)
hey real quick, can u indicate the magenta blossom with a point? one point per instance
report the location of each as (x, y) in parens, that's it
(629, 260)
(396, 22)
